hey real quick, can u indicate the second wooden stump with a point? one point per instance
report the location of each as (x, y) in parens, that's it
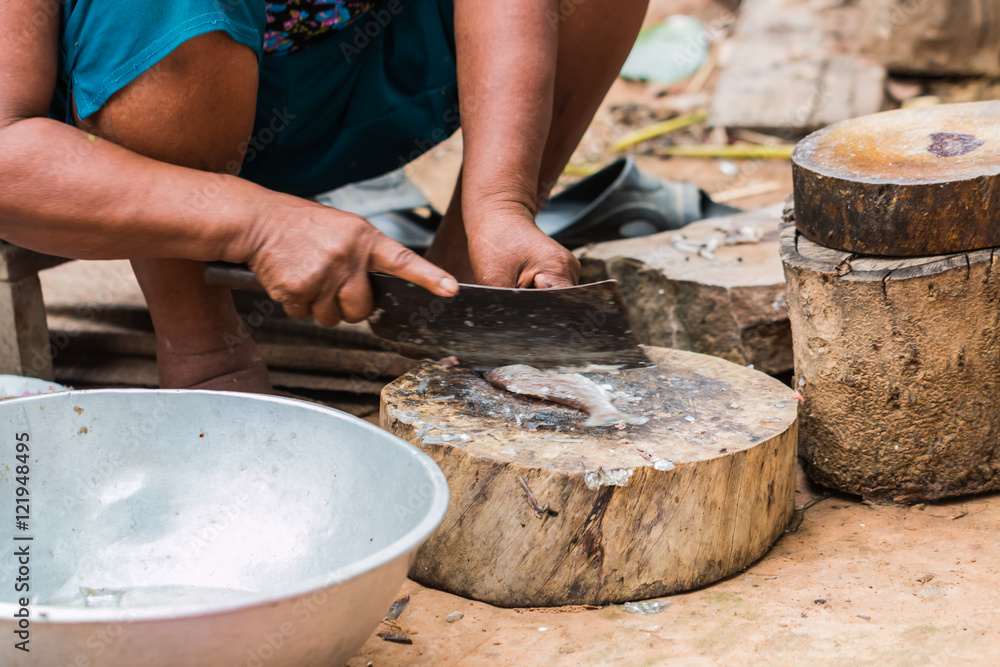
(899, 363)
(545, 512)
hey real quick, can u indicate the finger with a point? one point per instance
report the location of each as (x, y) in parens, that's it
(298, 311)
(388, 256)
(546, 281)
(355, 298)
(295, 293)
(325, 310)
(564, 274)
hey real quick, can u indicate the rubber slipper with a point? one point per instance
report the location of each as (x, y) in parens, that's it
(392, 204)
(620, 201)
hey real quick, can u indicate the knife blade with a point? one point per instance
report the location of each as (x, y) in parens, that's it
(486, 327)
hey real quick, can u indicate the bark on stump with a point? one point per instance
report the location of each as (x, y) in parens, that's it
(909, 182)
(731, 305)
(899, 363)
(699, 492)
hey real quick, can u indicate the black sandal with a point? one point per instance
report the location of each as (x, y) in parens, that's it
(617, 202)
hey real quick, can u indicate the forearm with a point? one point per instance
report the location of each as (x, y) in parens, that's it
(506, 78)
(70, 194)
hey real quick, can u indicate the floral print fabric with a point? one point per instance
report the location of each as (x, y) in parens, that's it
(295, 24)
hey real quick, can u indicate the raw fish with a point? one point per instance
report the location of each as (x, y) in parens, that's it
(569, 389)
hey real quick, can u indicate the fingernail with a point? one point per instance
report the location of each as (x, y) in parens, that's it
(449, 285)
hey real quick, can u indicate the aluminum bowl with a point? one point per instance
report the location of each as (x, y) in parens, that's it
(203, 529)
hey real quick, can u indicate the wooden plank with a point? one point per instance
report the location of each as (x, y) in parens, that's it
(319, 359)
(793, 66)
(17, 262)
(24, 334)
(141, 372)
(933, 37)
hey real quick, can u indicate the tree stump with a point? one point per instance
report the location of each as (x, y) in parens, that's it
(933, 37)
(546, 512)
(729, 303)
(899, 364)
(910, 182)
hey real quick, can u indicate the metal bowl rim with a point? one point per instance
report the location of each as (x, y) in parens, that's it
(408, 542)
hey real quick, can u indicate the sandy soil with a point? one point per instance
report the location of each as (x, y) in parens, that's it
(855, 585)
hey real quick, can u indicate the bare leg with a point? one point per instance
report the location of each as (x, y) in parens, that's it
(594, 40)
(195, 108)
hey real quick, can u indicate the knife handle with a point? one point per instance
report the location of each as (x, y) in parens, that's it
(233, 276)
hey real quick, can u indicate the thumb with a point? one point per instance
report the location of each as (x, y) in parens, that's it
(388, 256)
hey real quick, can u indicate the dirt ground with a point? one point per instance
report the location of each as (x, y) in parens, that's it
(854, 585)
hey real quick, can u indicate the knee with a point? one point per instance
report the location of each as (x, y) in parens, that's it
(194, 108)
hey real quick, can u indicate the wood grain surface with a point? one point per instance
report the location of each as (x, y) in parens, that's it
(699, 492)
(909, 182)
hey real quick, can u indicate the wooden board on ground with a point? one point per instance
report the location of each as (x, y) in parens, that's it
(899, 363)
(933, 37)
(119, 371)
(729, 303)
(909, 182)
(699, 492)
(792, 66)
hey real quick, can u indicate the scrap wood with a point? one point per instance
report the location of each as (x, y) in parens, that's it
(748, 191)
(793, 66)
(701, 77)
(141, 372)
(634, 137)
(738, 152)
(752, 137)
(324, 358)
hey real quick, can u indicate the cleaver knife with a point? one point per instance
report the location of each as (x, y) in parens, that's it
(486, 327)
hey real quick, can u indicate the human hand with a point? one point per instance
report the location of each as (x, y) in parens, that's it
(315, 260)
(508, 250)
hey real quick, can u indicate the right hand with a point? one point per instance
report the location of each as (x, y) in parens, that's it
(315, 260)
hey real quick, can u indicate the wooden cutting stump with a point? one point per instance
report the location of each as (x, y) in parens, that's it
(899, 363)
(910, 182)
(729, 303)
(699, 492)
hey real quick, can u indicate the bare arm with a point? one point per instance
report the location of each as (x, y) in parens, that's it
(506, 77)
(71, 194)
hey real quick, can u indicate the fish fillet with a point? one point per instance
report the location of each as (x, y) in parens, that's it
(569, 389)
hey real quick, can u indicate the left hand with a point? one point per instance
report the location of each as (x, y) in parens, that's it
(508, 250)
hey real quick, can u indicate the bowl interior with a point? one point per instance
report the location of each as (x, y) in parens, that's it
(167, 499)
